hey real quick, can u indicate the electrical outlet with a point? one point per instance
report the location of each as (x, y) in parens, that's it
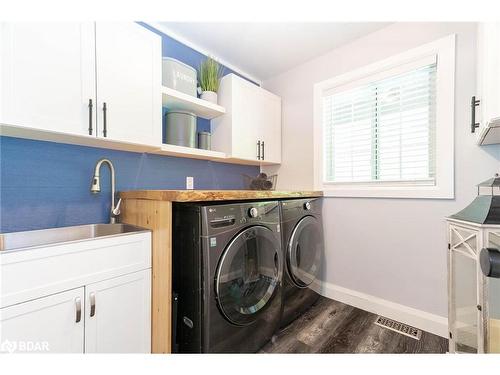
(189, 183)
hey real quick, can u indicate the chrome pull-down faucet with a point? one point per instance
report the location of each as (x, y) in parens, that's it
(96, 187)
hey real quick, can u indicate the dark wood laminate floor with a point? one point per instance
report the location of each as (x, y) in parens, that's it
(333, 327)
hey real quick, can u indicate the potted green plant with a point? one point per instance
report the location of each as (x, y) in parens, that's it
(210, 75)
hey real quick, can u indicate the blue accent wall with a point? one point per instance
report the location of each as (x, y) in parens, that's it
(45, 184)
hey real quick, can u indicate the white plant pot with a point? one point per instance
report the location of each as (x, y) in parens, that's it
(209, 96)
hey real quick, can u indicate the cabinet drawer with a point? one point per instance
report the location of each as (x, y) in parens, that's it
(33, 273)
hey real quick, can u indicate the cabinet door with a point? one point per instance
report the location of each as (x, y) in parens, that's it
(129, 82)
(50, 324)
(118, 314)
(489, 72)
(47, 75)
(246, 116)
(253, 116)
(270, 126)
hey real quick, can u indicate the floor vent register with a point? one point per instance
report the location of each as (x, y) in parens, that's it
(401, 328)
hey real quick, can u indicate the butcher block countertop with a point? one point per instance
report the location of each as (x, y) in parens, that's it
(214, 195)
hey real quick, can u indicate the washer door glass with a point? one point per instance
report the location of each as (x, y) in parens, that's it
(248, 274)
(305, 251)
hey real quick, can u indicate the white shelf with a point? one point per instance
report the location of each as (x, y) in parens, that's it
(106, 143)
(189, 152)
(490, 134)
(240, 161)
(72, 139)
(196, 153)
(175, 100)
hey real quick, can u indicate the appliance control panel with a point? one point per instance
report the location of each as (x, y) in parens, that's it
(226, 215)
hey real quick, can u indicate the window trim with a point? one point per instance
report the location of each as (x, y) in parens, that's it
(444, 50)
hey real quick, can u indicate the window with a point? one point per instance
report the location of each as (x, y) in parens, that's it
(387, 130)
(382, 131)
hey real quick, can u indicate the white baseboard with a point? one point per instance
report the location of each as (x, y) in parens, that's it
(417, 318)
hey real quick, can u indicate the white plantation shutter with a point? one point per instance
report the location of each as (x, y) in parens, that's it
(382, 128)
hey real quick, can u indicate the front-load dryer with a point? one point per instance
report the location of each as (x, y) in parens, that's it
(303, 247)
(227, 275)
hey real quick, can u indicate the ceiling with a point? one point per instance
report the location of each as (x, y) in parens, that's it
(264, 50)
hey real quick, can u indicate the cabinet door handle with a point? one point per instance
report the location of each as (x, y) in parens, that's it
(263, 148)
(92, 304)
(258, 150)
(105, 127)
(91, 105)
(473, 104)
(78, 305)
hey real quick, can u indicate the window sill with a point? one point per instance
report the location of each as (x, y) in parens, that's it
(370, 191)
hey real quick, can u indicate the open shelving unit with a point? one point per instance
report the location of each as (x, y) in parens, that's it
(175, 100)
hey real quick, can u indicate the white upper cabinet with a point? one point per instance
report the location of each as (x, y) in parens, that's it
(251, 127)
(128, 83)
(488, 67)
(61, 76)
(47, 75)
(53, 324)
(270, 127)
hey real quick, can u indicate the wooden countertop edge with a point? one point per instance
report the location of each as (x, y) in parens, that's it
(214, 195)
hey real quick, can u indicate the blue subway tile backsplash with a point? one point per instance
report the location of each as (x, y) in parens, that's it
(47, 184)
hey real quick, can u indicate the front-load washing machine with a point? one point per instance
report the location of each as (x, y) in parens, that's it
(303, 247)
(227, 276)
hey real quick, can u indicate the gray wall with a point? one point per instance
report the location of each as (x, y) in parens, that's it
(394, 249)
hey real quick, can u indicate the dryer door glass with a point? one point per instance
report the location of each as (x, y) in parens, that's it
(305, 251)
(248, 274)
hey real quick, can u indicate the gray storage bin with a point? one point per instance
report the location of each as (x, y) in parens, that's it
(179, 76)
(181, 128)
(204, 140)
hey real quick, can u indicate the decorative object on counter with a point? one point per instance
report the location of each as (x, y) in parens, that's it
(180, 128)
(204, 140)
(210, 75)
(179, 76)
(261, 182)
(474, 273)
